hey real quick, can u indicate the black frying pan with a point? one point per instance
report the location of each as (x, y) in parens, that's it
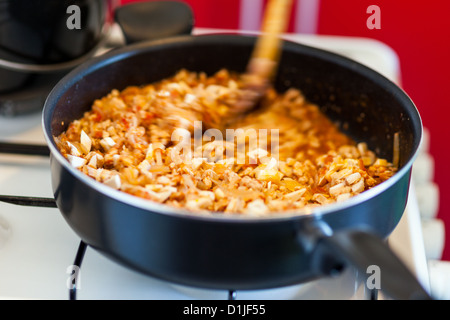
(239, 253)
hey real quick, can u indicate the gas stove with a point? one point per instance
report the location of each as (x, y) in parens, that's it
(38, 249)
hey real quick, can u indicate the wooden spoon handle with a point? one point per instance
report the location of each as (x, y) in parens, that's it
(265, 56)
(263, 61)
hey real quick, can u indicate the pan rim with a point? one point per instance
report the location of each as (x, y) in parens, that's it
(122, 53)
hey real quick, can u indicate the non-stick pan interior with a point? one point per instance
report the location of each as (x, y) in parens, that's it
(366, 105)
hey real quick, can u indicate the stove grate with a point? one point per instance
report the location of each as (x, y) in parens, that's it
(29, 201)
(28, 150)
(77, 263)
(24, 149)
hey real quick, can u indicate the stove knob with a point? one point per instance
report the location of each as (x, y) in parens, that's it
(433, 231)
(425, 143)
(427, 199)
(5, 231)
(439, 272)
(423, 169)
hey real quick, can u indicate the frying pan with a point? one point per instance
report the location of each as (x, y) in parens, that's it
(238, 252)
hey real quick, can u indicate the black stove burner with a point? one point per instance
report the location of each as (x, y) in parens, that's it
(30, 97)
(232, 294)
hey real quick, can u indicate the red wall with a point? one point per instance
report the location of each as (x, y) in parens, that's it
(420, 34)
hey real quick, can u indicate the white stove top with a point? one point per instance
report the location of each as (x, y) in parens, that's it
(37, 247)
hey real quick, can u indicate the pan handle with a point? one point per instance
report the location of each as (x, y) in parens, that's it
(374, 260)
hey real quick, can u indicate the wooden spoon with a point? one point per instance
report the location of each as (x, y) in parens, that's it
(264, 60)
(258, 76)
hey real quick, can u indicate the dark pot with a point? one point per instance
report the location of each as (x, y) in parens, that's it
(226, 252)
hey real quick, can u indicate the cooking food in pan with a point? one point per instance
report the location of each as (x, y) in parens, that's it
(238, 251)
(160, 142)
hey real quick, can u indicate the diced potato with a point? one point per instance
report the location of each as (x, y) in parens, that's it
(339, 189)
(358, 187)
(75, 161)
(86, 142)
(354, 177)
